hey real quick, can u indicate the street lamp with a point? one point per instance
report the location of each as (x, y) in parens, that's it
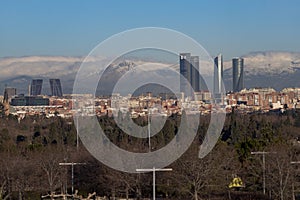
(149, 133)
(77, 137)
(153, 170)
(72, 164)
(263, 153)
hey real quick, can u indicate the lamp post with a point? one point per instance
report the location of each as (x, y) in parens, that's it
(149, 133)
(153, 170)
(72, 165)
(263, 153)
(77, 137)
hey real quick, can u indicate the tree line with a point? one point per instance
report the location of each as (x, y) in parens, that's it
(31, 150)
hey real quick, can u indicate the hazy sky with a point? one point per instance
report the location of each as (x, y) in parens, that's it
(74, 28)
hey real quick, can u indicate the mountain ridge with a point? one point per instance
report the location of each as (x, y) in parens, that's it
(277, 69)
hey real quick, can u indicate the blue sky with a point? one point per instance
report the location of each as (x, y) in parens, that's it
(74, 28)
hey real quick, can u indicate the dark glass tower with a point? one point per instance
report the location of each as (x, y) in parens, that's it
(195, 77)
(218, 74)
(8, 94)
(185, 72)
(36, 87)
(55, 87)
(237, 74)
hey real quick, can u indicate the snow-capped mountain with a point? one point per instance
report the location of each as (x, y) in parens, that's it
(262, 69)
(258, 63)
(267, 69)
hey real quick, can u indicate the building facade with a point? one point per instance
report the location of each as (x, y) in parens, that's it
(29, 101)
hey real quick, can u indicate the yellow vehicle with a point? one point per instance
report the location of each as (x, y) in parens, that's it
(236, 183)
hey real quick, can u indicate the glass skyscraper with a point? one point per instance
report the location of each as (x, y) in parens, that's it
(218, 74)
(55, 87)
(195, 75)
(36, 87)
(189, 71)
(237, 74)
(185, 72)
(8, 94)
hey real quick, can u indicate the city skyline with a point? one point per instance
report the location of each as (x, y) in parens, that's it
(111, 89)
(276, 69)
(74, 29)
(189, 71)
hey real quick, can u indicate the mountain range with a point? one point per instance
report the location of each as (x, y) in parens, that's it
(262, 69)
(267, 69)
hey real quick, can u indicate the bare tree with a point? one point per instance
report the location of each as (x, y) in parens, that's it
(49, 163)
(15, 170)
(194, 176)
(127, 182)
(3, 191)
(4, 188)
(279, 171)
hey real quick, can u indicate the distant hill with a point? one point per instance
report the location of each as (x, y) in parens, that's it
(268, 69)
(262, 69)
(18, 72)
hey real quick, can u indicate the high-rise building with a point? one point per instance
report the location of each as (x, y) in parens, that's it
(218, 74)
(8, 94)
(22, 100)
(195, 75)
(185, 72)
(237, 74)
(36, 87)
(190, 76)
(55, 87)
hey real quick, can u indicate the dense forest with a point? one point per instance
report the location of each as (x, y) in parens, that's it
(32, 148)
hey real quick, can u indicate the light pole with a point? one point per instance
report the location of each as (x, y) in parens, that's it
(72, 165)
(153, 170)
(77, 138)
(263, 153)
(149, 133)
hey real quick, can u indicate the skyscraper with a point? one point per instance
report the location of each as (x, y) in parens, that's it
(36, 87)
(55, 87)
(8, 94)
(190, 76)
(218, 74)
(237, 74)
(185, 72)
(195, 75)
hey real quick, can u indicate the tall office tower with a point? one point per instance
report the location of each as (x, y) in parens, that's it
(55, 87)
(8, 94)
(36, 87)
(237, 74)
(195, 75)
(218, 74)
(185, 72)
